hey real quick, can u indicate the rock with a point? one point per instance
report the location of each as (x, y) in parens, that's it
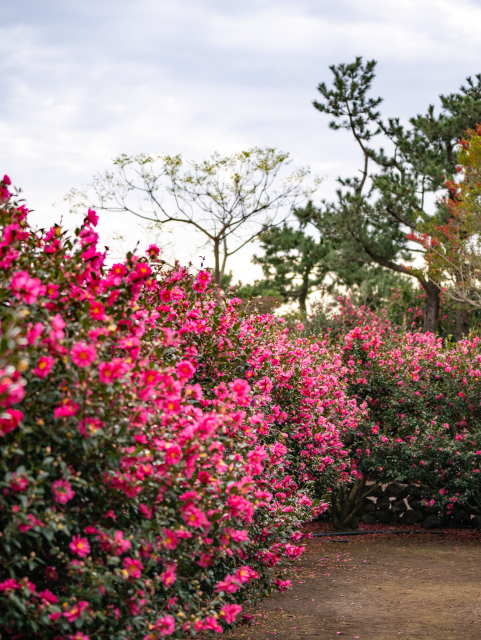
(370, 507)
(399, 505)
(354, 524)
(414, 503)
(384, 515)
(396, 490)
(415, 490)
(432, 511)
(412, 516)
(462, 518)
(433, 522)
(476, 522)
(377, 492)
(383, 503)
(368, 518)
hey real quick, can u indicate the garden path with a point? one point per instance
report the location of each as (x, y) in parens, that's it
(379, 587)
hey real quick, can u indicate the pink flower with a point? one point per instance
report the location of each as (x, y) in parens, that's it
(240, 389)
(165, 626)
(51, 574)
(18, 483)
(26, 526)
(48, 596)
(170, 540)
(92, 217)
(78, 635)
(9, 585)
(62, 491)
(97, 311)
(133, 567)
(229, 612)
(80, 546)
(26, 288)
(153, 251)
(83, 354)
(195, 517)
(44, 366)
(169, 576)
(10, 421)
(282, 585)
(173, 453)
(185, 370)
(75, 611)
(230, 584)
(58, 325)
(34, 333)
(90, 427)
(67, 408)
(210, 622)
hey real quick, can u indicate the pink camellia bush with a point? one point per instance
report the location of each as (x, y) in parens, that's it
(159, 451)
(424, 402)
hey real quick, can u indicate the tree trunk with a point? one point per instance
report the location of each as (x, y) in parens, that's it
(346, 503)
(217, 274)
(431, 308)
(304, 292)
(462, 324)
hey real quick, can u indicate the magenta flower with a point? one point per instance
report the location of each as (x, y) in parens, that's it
(75, 611)
(80, 546)
(26, 288)
(185, 370)
(133, 567)
(169, 576)
(83, 354)
(58, 326)
(92, 217)
(62, 491)
(48, 596)
(229, 612)
(67, 408)
(165, 626)
(44, 366)
(195, 517)
(90, 427)
(9, 585)
(11, 422)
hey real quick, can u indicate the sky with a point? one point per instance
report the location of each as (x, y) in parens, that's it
(85, 81)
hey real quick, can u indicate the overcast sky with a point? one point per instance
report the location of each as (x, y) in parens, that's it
(84, 81)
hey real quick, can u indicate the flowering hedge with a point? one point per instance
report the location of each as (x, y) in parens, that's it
(423, 397)
(159, 451)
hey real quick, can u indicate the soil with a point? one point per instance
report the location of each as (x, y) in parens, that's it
(378, 587)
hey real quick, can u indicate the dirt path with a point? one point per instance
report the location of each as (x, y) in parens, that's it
(378, 588)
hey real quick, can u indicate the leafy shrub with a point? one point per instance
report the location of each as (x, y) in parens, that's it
(423, 399)
(158, 450)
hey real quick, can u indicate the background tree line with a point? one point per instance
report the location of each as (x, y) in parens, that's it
(366, 242)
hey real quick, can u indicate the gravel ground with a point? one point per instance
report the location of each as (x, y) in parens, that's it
(378, 587)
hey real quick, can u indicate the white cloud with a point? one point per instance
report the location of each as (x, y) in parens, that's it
(83, 82)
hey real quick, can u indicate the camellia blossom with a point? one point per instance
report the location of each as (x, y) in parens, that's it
(90, 427)
(133, 567)
(9, 421)
(169, 576)
(62, 491)
(83, 354)
(75, 611)
(26, 288)
(44, 366)
(80, 546)
(229, 612)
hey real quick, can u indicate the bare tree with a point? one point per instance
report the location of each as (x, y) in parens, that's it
(230, 200)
